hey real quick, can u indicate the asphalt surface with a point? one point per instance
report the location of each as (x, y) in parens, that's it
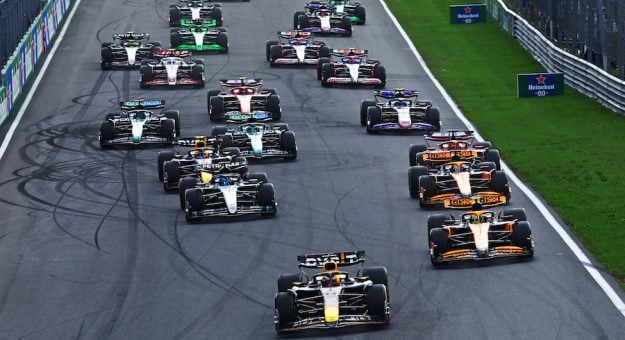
(91, 247)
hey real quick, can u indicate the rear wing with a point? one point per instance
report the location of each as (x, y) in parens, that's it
(172, 53)
(131, 36)
(197, 142)
(450, 135)
(396, 93)
(243, 81)
(294, 34)
(206, 23)
(313, 6)
(148, 104)
(344, 52)
(342, 259)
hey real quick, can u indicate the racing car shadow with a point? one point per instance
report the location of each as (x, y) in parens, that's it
(365, 330)
(229, 219)
(468, 264)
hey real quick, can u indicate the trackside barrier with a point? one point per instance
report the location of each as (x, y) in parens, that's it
(22, 64)
(578, 73)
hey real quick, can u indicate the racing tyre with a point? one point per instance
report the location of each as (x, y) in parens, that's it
(267, 197)
(435, 221)
(168, 129)
(324, 52)
(296, 19)
(184, 184)
(486, 166)
(440, 242)
(285, 310)
(155, 46)
(522, 235)
(275, 52)
(364, 105)
(268, 48)
(170, 174)
(193, 202)
(226, 141)
(199, 61)
(428, 188)
(216, 110)
(413, 151)
(302, 22)
(280, 126)
(492, 155)
(222, 40)
(346, 24)
(414, 172)
(259, 176)
(285, 281)
(163, 157)
(376, 302)
(146, 75)
(377, 275)
(197, 73)
(511, 214)
(322, 61)
(234, 151)
(499, 183)
(287, 143)
(216, 15)
(174, 17)
(361, 14)
(374, 117)
(209, 94)
(273, 106)
(175, 115)
(110, 116)
(271, 90)
(327, 71)
(219, 130)
(174, 39)
(433, 117)
(482, 145)
(380, 72)
(106, 62)
(107, 132)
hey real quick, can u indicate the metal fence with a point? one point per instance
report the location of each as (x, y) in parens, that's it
(16, 16)
(591, 29)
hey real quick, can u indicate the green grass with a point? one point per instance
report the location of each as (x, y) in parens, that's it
(568, 148)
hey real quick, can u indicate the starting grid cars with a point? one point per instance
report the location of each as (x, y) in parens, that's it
(212, 177)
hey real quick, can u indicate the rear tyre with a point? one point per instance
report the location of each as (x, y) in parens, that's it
(222, 40)
(219, 130)
(492, 155)
(226, 141)
(296, 19)
(285, 281)
(216, 109)
(499, 183)
(364, 105)
(346, 24)
(174, 17)
(175, 115)
(511, 214)
(433, 117)
(380, 72)
(302, 22)
(361, 14)
(163, 157)
(435, 221)
(216, 15)
(482, 145)
(287, 143)
(261, 177)
(413, 151)
(273, 106)
(324, 52)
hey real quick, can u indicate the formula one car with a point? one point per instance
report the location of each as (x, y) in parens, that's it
(454, 144)
(172, 68)
(230, 195)
(137, 123)
(459, 185)
(479, 234)
(176, 166)
(351, 66)
(398, 109)
(295, 48)
(259, 140)
(195, 10)
(128, 50)
(332, 298)
(354, 10)
(324, 21)
(242, 99)
(199, 35)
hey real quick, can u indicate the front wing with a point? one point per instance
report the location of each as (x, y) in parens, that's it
(241, 210)
(472, 254)
(319, 322)
(129, 141)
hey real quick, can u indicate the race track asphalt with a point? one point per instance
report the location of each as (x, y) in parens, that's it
(92, 247)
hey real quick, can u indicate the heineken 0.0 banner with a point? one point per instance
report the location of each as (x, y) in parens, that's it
(4, 104)
(540, 84)
(467, 14)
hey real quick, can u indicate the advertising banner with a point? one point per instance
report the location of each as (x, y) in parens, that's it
(467, 14)
(4, 104)
(540, 84)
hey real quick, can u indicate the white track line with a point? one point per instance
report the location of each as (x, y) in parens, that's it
(579, 253)
(33, 89)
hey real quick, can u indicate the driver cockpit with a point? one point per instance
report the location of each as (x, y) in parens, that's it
(478, 217)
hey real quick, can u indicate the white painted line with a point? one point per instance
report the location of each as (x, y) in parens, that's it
(33, 89)
(579, 253)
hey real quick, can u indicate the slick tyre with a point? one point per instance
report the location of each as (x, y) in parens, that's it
(428, 188)
(512, 214)
(193, 198)
(267, 198)
(222, 40)
(379, 72)
(185, 183)
(374, 117)
(273, 106)
(107, 133)
(168, 130)
(364, 105)
(174, 39)
(285, 281)
(492, 155)
(499, 183)
(261, 177)
(361, 14)
(413, 152)
(163, 157)
(322, 61)
(285, 310)
(346, 24)
(296, 19)
(435, 221)
(376, 302)
(216, 109)
(171, 175)
(174, 17)
(433, 117)
(268, 48)
(302, 22)
(275, 52)
(175, 115)
(287, 143)
(377, 275)
(440, 243)
(219, 130)
(522, 235)
(414, 173)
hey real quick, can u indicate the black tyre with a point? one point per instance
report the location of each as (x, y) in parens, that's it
(435, 221)
(364, 105)
(216, 109)
(300, 20)
(486, 166)
(285, 308)
(380, 72)
(377, 275)
(433, 117)
(287, 143)
(184, 184)
(226, 141)
(499, 183)
(374, 117)
(482, 145)
(492, 155)
(346, 24)
(440, 242)
(259, 176)
(281, 126)
(199, 61)
(361, 14)
(171, 175)
(285, 281)
(267, 197)
(111, 116)
(107, 58)
(322, 61)
(197, 73)
(107, 132)
(522, 234)
(271, 90)
(193, 198)
(428, 188)
(216, 15)
(146, 74)
(413, 151)
(209, 94)
(175, 115)
(222, 40)
(219, 130)
(275, 52)
(163, 157)
(376, 301)
(174, 39)
(273, 106)
(327, 71)
(168, 129)
(414, 172)
(324, 52)
(268, 48)
(512, 214)
(174, 17)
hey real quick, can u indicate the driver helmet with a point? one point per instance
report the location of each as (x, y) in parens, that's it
(223, 181)
(474, 219)
(454, 168)
(195, 154)
(326, 282)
